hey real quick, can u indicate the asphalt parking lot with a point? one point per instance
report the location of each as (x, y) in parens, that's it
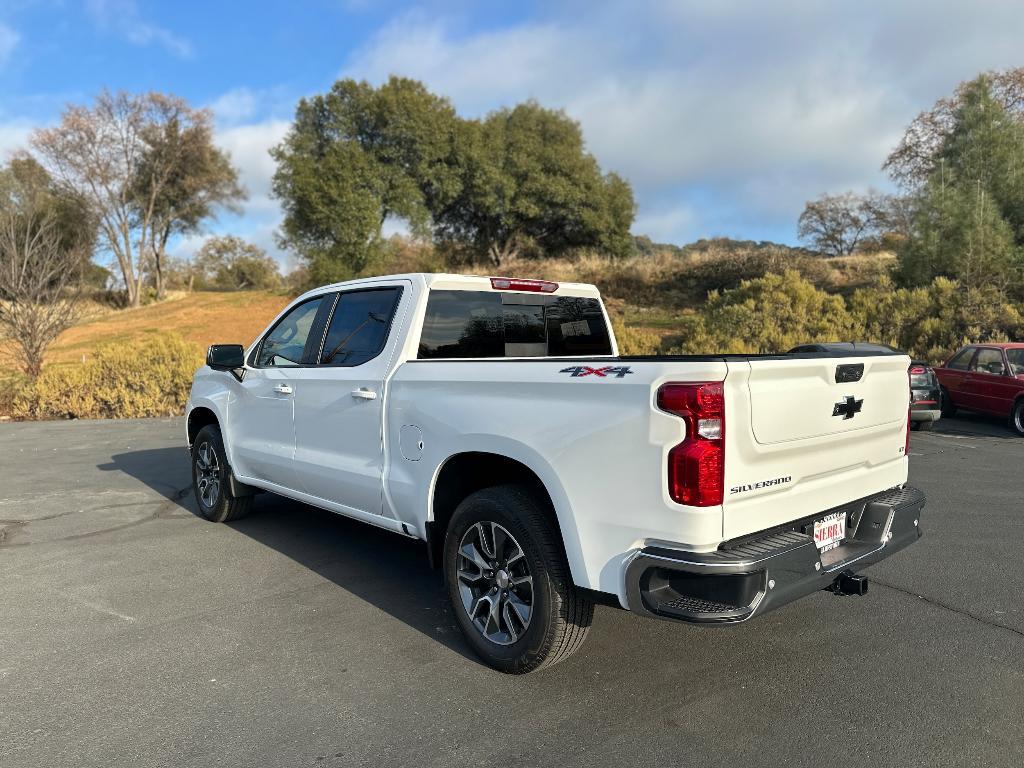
(132, 632)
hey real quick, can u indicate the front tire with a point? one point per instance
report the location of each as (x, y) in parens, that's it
(509, 582)
(211, 479)
(1017, 417)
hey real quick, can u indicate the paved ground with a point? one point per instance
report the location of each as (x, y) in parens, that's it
(134, 633)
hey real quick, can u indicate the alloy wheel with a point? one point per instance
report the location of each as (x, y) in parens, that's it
(207, 474)
(495, 583)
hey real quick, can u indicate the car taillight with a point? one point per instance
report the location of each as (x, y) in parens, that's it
(515, 284)
(696, 467)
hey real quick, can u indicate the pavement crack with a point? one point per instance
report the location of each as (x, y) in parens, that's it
(948, 607)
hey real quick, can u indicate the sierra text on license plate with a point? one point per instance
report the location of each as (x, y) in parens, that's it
(830, 531)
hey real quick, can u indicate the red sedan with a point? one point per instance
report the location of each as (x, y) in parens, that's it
(988, 378)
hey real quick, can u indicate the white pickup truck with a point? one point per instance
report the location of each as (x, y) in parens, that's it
(493, 419)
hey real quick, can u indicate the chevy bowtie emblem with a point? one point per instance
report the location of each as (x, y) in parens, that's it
(847, 408)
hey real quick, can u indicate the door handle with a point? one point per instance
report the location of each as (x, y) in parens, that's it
(364, 394)
(283, 389)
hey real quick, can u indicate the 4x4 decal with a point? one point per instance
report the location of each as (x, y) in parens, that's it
(618, 371)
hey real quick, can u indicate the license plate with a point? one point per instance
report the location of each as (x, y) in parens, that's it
(830, 531)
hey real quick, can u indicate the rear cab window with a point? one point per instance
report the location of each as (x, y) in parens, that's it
(463, 324)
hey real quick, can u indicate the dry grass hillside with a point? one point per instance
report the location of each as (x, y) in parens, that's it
(201, 318)
(648, 297)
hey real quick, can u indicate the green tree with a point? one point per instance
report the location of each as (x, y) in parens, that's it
(530, 186)
(520, 180)
(356, 156)
(229, 263)
(968, 216)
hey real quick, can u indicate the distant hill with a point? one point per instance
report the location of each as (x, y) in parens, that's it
(644, 246)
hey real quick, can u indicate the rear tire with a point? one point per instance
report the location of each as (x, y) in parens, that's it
(948, 406)
(1017, 417)
(211, 482)
(509, 582)
(925, 426)
(915, 426)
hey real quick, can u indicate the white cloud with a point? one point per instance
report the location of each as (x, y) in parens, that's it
(8, 42)
(757, 107)
(249, 147)
(13, 137)
(124, 18)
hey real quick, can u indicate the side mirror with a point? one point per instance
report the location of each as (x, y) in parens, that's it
(225, 357)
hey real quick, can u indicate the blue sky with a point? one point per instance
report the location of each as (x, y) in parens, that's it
(726, 116)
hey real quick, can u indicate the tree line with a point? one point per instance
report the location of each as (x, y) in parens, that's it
(516, 182)
(959, 210)
(121, 178)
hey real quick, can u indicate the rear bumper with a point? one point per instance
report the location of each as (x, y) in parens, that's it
(925, 414)
(753, 575)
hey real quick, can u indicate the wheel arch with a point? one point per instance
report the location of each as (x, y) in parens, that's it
(199, 417)
(469, 471)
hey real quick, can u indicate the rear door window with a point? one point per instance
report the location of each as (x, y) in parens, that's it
(359, 326)
(485, 324)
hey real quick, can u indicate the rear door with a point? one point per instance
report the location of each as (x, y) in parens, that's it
(339, 403)
(807, 434)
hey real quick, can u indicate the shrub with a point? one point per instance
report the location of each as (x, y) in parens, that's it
(933, 321)
(769, 314)
(636, 341)
(149, 377)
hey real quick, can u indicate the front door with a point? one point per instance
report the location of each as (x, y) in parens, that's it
(261, 429)
(339, 403)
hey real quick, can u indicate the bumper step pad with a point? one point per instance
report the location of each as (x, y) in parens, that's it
(767, 570)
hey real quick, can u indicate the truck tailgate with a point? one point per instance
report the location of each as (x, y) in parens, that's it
(808, 434)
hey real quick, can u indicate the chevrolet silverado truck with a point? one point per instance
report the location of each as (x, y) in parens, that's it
(493, 419)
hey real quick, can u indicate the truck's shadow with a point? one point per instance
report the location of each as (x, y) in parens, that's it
(382, 568)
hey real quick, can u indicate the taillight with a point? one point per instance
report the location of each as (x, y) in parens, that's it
(906, 444)
(515, 284)
(696, 467)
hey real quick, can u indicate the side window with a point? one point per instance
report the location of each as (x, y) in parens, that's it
(961, 360)
(989, 361)
(286, 342)
(462, 324)
(359, 327)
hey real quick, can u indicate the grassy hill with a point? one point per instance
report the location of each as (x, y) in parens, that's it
(201, 318)
(649, 297)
